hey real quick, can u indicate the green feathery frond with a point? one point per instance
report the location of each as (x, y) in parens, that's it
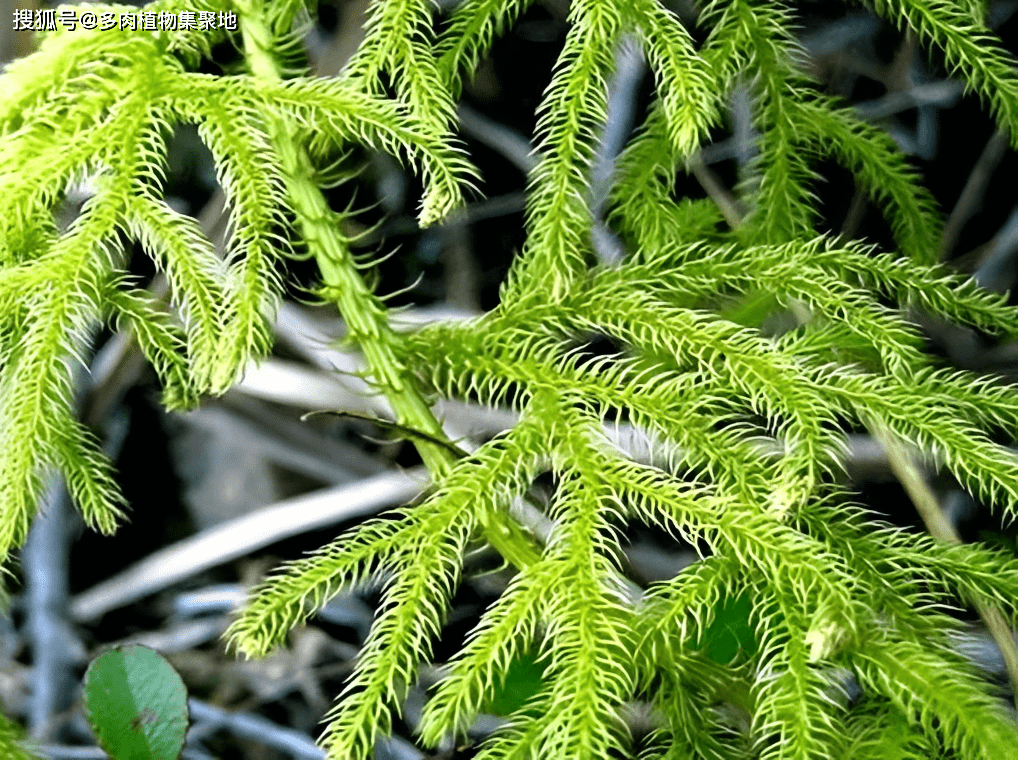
(574, 108)
(777, 183)
(879, 169)
(955, 709)
(688, 101)
(105, 119)
(879, 732)
(473, 27)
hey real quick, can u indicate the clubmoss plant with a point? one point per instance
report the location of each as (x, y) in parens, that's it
(830, 590)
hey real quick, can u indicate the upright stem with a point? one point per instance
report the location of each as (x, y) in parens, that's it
(365, 317)
(928, 507)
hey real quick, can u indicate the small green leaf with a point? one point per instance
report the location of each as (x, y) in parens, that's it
(137, 704)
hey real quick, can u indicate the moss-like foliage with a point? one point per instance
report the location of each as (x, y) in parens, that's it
(822, 586)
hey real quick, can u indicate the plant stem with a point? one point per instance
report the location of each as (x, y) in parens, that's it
(365, 317)
(926, 504)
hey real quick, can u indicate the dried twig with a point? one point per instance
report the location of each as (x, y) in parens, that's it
(238, 537)
(972, 194)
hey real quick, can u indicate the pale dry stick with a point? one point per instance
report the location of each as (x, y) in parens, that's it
(730, 206)
(180, 637)
(292, 743)
(630, 69)
(834, 38)
(909, 475)
(71, 752)
(462, 275)
(726, 150)
(286, 740)
(240, 536)
(331, 462)
(899, 78)
(301, 439)
(941, 93)
(972, 194)
(508, 143)
(742, 148)
(995, 270)
(744, 135)
(855, 215)
(301, 387)
(55, 646)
